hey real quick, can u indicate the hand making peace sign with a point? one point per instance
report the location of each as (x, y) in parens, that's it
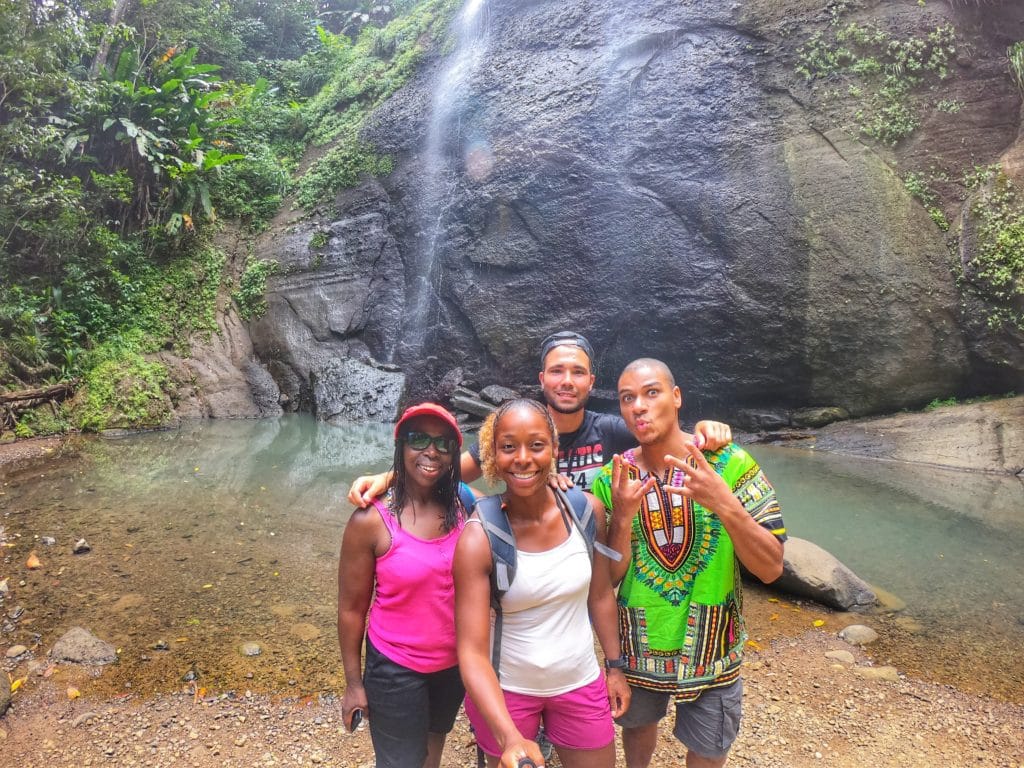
(627, 492)
(700, 481)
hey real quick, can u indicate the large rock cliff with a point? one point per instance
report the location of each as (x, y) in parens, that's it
(660, 176)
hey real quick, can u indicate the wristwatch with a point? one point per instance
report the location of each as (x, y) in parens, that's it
(619, 663)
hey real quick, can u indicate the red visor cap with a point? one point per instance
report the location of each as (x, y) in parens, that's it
(429, 409)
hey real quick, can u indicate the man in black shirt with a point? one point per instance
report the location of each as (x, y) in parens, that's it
(587, 440)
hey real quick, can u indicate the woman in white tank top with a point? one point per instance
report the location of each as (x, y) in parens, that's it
(549, 670)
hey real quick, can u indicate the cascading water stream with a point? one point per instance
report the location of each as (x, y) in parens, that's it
(442, 165)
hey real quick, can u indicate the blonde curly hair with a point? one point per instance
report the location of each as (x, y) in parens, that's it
(488, 451)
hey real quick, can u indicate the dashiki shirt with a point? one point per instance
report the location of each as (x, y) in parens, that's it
(680, 600)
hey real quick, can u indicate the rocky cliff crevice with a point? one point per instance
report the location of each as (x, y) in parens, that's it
(663, 178)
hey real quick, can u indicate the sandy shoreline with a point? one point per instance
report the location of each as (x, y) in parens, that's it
(17, 452)
(802, 708)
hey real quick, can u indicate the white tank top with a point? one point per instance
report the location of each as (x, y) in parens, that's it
(547, 646)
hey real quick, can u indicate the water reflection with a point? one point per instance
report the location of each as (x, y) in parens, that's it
(946, 543)
(202, 538)
(934, 537)
(225, 532)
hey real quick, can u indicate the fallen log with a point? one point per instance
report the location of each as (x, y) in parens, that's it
(13, 404)
(58, 391)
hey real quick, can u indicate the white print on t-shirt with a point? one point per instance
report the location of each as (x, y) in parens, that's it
(581, 464)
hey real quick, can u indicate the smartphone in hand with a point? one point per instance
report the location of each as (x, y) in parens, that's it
(357, 718)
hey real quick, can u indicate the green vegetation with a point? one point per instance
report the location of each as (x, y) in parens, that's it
(918, 186)
(998, 264)
(251, 288)
(43, 421)
(1015, 56)
(366, 72)
(130, 133)
(122, 388)
(881, 84)
(948, 401)
(882, 73)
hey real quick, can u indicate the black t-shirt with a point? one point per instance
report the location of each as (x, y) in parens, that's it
(582, 453)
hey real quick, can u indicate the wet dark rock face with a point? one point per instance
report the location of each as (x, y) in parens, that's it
(335, 310)
(653, 175)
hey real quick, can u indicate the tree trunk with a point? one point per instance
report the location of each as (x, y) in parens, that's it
(116, 14)
(13, 404)
(54, 391)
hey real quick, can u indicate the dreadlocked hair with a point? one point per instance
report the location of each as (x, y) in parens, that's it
(488, 451)
(446, 489)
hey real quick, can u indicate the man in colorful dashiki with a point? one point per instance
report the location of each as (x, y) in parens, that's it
(681, 517)
(586, 439)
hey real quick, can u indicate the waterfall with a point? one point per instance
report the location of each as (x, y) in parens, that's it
(443, 165)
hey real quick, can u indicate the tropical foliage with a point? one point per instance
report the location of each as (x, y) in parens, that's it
(130, 133)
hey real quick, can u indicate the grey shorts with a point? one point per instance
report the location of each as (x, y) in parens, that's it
(708, 725)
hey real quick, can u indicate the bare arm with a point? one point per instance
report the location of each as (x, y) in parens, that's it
(472, 570)
(366, 488)
(604, 615)
(756, 547)
(470, 469)
(356, 567)
(712, 435)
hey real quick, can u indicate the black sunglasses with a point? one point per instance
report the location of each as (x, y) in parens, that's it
(419, 441)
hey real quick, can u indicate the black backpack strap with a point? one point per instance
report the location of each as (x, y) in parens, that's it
(578, 503)
(503, 562)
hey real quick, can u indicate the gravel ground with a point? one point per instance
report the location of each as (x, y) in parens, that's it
(16, 452)
(802, 708)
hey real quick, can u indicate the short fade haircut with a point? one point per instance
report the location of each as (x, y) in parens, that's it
(655, 365)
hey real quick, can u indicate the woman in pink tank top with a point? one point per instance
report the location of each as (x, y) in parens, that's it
(395, 588)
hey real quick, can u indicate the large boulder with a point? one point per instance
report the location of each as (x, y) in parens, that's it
(810, 571)
(660, 177)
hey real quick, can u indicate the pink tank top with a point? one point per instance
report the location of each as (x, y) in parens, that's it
(412, 617)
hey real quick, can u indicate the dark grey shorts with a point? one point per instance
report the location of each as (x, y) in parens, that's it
(405, 706)
(708, 725)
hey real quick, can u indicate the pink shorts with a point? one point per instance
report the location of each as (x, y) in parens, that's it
(579, 719)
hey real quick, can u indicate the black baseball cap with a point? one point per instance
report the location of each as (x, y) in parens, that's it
(567, 338)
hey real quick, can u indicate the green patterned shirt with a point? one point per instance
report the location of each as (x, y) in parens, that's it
(680, 599)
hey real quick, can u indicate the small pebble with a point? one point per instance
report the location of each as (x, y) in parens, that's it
(15, 651)
(250, 648)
